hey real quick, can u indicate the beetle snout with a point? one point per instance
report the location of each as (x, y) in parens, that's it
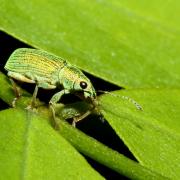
(94, 95)
(90, 94)
(91, 97)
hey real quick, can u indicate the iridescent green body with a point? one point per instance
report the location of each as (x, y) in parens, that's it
(48, 71)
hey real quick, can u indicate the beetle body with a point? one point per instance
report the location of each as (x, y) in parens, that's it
(48, 71)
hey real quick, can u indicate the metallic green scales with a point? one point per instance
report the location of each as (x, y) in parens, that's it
(31, 62)
(48, 71)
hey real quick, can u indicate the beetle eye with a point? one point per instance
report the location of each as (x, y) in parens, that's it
(83, 85)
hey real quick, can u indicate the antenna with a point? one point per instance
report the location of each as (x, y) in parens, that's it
(137, 105)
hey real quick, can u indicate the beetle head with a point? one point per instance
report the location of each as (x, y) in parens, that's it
(85, 90)
(73, 79)
(84, 85)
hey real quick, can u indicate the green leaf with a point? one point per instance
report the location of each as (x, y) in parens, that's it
(127, 43)
(31, 149)
(167, 15)
(152, 135)
(83, 143)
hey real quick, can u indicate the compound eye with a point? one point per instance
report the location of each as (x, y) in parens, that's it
(83, 85)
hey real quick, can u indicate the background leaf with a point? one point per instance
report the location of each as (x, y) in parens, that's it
(31, 149)
(152, 135)
(117, 41)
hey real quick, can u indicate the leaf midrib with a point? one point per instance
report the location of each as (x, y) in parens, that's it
(26, 149)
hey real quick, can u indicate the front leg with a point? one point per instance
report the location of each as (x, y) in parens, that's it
(43, 85)
(56, 97)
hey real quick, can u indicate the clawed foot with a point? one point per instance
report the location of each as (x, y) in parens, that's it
(75, 120)
(18, 95)
(14, 102)
(31, 108)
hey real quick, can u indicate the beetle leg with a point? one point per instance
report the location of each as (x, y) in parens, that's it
(16, 91)
(15, 88)
(42, 85)
(33, 101)
(77, 119)
(17, 76)
(56, 97)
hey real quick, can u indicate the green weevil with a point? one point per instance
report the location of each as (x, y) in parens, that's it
(48, 71)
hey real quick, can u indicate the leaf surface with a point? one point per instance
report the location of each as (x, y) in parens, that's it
(152, 135)
(31, 149)
(125, 43)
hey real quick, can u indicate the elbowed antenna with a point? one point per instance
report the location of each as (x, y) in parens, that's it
(137, 105)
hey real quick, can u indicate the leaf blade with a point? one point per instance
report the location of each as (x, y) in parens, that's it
(137, 52)
(32, 149)
(152, 135)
